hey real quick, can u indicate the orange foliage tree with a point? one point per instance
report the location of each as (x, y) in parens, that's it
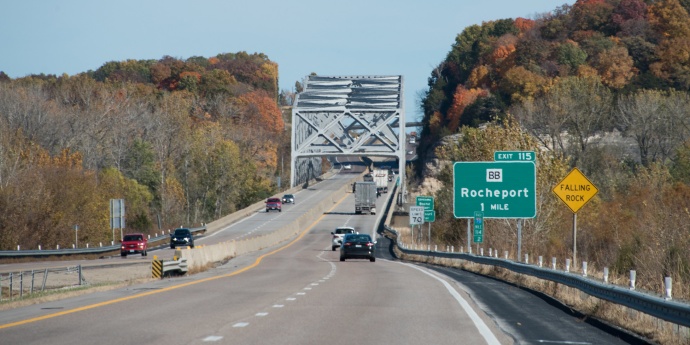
(522, 84)
(615, 67)
(261, 110)
(523, 24)
(669, 18)
(461, 99)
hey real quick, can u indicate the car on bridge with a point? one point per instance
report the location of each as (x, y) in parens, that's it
(357, 246)
(347, 166)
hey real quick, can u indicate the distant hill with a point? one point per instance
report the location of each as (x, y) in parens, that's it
(622, 47)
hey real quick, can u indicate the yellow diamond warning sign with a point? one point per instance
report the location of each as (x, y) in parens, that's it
(575, 190)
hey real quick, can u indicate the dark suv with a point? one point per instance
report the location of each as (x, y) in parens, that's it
(181, 237)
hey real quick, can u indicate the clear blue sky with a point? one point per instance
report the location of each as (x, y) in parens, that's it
(354, 37)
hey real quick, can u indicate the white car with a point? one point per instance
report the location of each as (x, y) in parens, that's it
(338, 234)
(347, 167)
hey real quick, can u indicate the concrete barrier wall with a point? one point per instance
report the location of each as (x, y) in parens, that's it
(200, 256)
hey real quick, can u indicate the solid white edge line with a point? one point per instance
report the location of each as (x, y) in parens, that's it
(478, 322)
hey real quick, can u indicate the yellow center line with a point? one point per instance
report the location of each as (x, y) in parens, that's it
(143, 294)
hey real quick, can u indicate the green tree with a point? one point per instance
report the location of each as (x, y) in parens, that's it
(571, 55)
(140, 165)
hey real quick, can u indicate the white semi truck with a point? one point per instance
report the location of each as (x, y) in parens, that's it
(381, 179)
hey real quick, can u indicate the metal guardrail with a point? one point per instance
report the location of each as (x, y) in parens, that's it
(75, 251)
(13, 283)
(162, 268)
(669, 310)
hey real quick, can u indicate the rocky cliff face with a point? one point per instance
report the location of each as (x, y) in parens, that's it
(432, 167)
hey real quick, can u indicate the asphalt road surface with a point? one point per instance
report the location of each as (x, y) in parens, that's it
(300, 293)
(296, 294)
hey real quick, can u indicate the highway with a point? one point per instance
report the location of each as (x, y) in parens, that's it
(300, 293)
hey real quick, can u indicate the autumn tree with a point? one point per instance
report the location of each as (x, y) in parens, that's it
(520, 84)
(479, 145)
(674, 62)
(577, 106)
(615, 67)
(461, 100)
(629, 17)
(591, 14)
(669, 19)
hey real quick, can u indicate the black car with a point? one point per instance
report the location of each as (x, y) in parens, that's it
(357, 246)
(181, 237)
(288, 199)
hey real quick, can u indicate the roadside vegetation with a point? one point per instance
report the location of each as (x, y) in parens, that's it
(601, 85)
(183, 142)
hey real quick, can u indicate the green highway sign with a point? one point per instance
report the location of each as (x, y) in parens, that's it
(429, 216)
(428, 203)
(498, 189)
(528, 156)
(478, 227)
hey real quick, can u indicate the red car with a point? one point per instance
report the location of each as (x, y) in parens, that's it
(274, 204)
(133, 244)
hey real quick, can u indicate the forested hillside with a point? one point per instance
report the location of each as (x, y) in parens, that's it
(601, 85)
(182, 141)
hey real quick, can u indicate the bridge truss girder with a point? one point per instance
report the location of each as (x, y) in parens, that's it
(348, 116)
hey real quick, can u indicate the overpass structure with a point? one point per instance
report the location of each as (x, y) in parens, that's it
(347, 116)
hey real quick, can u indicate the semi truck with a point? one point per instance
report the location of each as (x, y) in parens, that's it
(365, 197)
(381, 179)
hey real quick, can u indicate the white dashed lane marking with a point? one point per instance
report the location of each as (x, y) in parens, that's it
(262, 314)
(213, 338)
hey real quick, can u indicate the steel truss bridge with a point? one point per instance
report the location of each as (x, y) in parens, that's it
(347, 116)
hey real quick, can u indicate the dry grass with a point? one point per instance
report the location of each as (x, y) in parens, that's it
(68, 292)
(646, 326)
(101, 279)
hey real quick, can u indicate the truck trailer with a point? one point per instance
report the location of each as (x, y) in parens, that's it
(381, 179)
(365, 197)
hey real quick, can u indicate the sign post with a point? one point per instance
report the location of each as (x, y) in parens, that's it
(516, 156)
(575, 190)
(117, 216)
(478, 227)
